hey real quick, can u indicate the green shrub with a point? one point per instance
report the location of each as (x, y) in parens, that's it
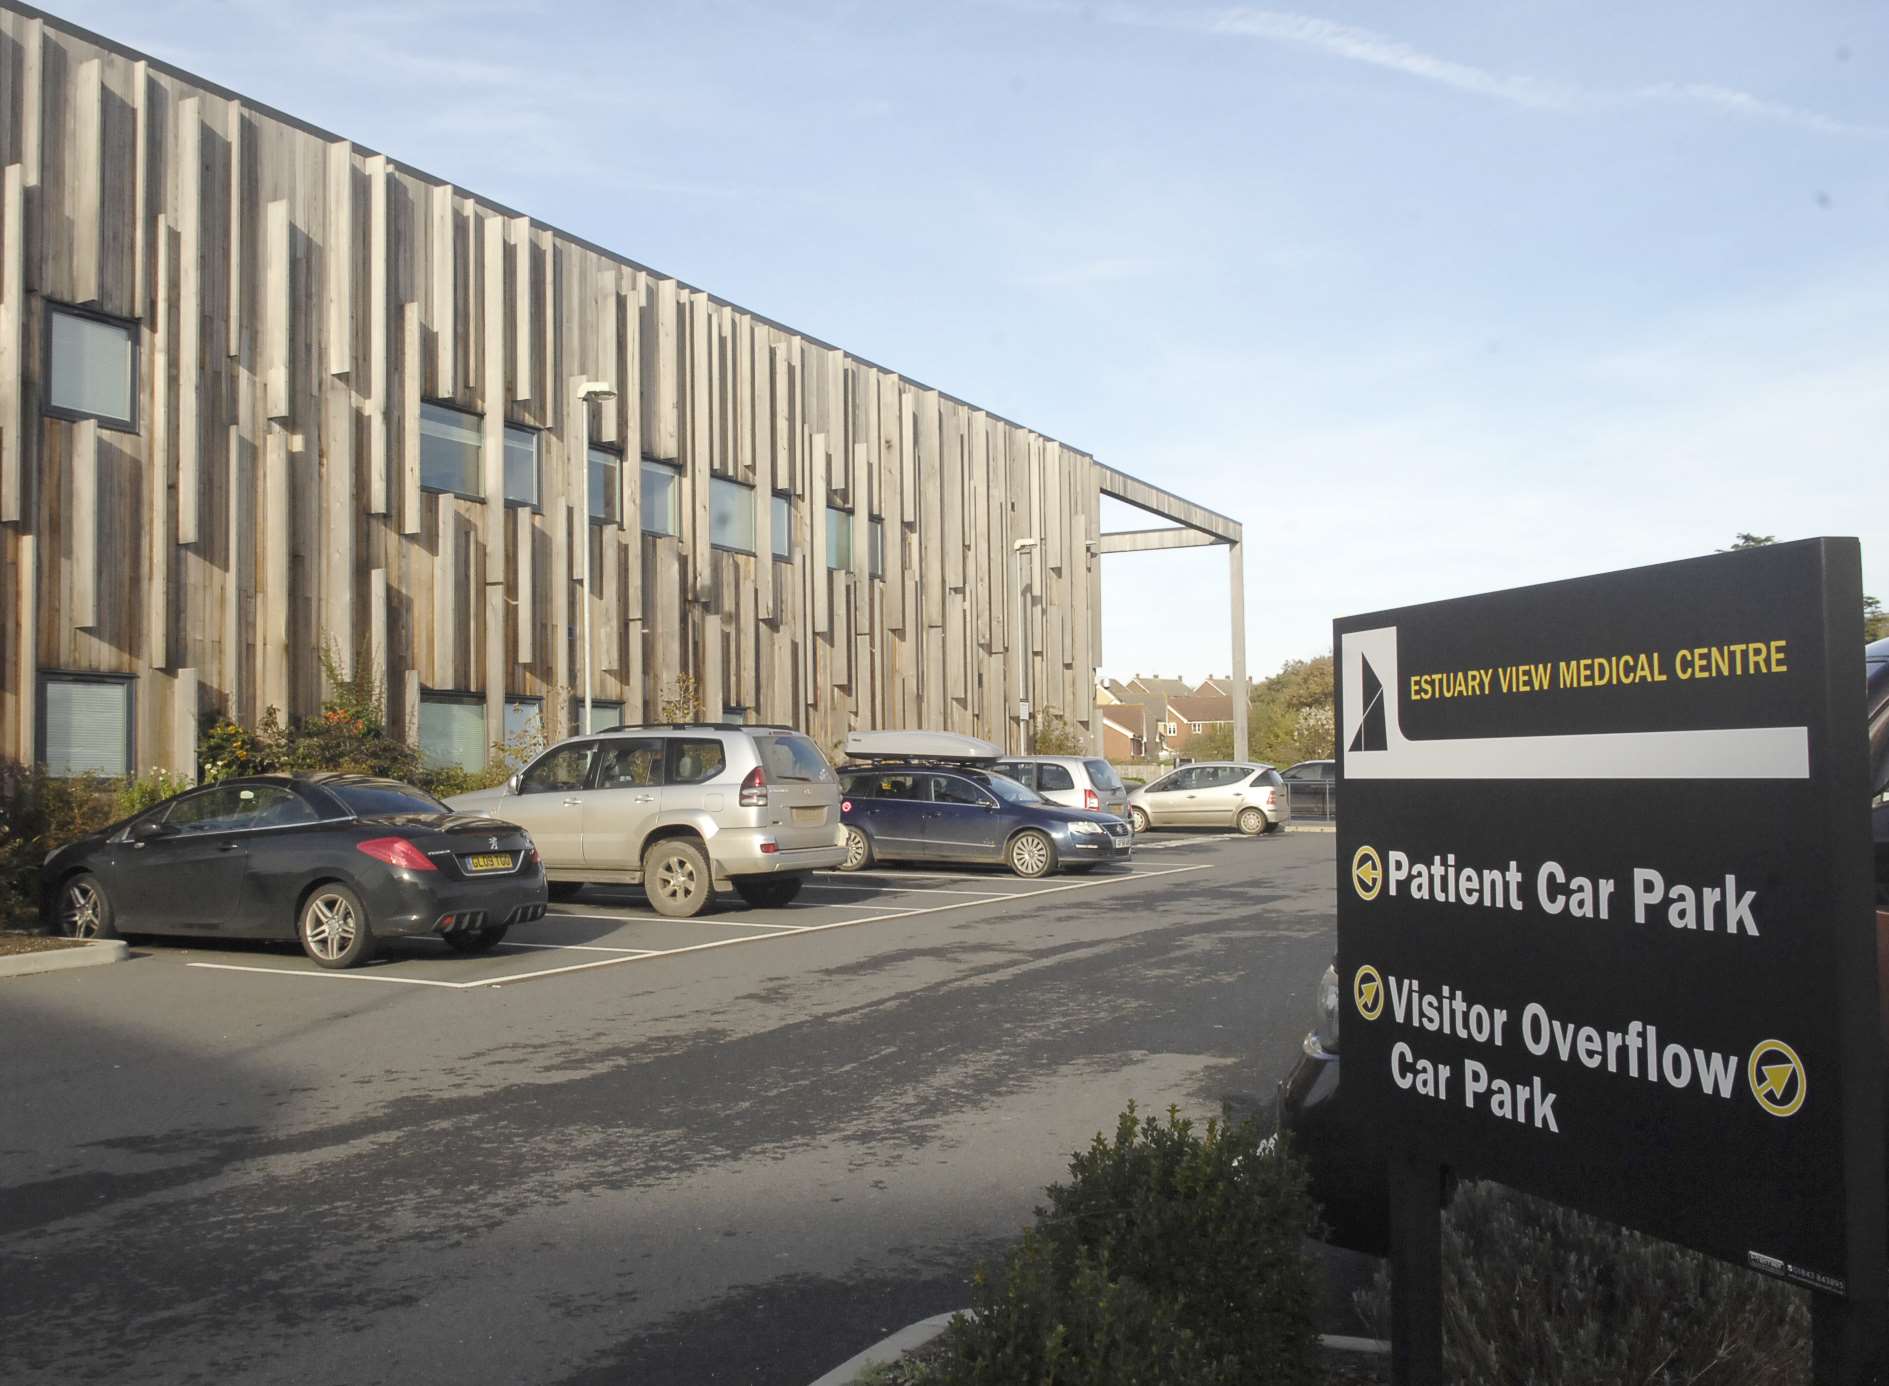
(1050, 735)
(1171, 1256)
(39, 814)
(1539, 1294)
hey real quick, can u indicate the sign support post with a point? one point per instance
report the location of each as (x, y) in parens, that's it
(1416, 1221)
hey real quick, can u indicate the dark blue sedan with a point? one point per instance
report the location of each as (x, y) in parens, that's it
(930, 812)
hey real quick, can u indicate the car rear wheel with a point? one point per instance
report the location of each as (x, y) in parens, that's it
(333, 928)
(85, 911)
(858, 851)
(1032, 855)
(475, 940)
(675, 876)
(768, 892)
(1139, 819)
(1251, 821)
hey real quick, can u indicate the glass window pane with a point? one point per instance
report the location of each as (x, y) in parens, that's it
(783, 523)
(385, 800)
(604, 714)
(839, 538)
(730, 515)
(521, 465)
(604, 469)
(1054, 777)
(631, 764)
(695, 761)
(87, 727)
(875, 548)
(449, 450)
(93, 367)
(452, 733)
(568, 767)
(662, 499)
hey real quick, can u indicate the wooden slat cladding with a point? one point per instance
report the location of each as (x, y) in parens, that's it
(297, 300)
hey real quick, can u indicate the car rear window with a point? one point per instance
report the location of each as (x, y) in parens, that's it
(1268, 777)
(695, 760)
(385, 800)
(1051, 777)
(1101, 774)
(791, 757)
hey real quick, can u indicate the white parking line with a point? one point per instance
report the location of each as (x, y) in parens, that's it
(842, 905)
(332, 976)
(631, 957)
(657, 919)
(583, 948)
(922, 890)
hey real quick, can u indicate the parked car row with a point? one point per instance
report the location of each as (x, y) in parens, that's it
(341, 861)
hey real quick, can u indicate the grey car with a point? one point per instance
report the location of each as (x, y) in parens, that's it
(1213, 794)
(1084, 782)
(679, 809)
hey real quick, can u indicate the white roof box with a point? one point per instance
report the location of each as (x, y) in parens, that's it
(918, 745)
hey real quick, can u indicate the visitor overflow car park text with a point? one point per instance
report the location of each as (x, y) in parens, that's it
(1711, 908)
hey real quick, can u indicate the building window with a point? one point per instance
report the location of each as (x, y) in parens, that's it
(730, 515)
(452, 730)
(521, 466)
(839, 538)
(449, 451)
(783, 524)
(91, 368)
(1193, 726)
(85, 725)
(875, 548)
(662, 499)
(605, 468)
(524, 725)
(605, 713)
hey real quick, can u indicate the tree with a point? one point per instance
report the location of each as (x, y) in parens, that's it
(1875, 619)
(1053, 736)
(1288, 717)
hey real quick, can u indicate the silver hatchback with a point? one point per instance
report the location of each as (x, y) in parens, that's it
(1213, 794)
(679, 810)
(1084, 782)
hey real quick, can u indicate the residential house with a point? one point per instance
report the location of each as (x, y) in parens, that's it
(1124, 731)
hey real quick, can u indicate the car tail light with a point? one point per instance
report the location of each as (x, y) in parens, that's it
(846, 805)
(1091, 800)
(396, 851)
(768, 849)
(754, 789)
(531, 856)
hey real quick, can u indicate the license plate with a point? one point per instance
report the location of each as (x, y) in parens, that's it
(490, 861)
(814, 816)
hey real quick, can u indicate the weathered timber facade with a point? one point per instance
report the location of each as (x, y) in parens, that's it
(294, 299)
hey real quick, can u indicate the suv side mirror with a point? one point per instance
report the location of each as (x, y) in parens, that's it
(511, 785)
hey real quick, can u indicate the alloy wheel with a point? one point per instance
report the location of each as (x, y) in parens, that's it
(83, 913)
(855, 849)
(676, 878)
(330, 926)
(1030, 855)
(1252, 822)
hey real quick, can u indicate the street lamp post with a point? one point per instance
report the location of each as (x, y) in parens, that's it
(586, 391)
(1021, 642)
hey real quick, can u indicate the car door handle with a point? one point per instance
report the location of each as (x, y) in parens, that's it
(644, 799)
(573, 803)
(227, 847)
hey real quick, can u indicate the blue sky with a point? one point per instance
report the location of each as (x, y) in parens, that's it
(1434, 299)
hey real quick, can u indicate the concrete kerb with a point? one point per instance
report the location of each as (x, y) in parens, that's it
(889, 1349)
(93, 953)
(918, 1334)
(1311, 827)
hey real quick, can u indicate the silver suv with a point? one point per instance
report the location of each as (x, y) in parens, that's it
(1084, 782)
(679, 809)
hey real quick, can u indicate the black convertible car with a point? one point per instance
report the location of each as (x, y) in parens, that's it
(334, 861)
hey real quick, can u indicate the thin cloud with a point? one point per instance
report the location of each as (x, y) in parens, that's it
(1350, 43)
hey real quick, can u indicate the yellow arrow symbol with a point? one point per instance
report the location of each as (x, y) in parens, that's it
(1776, 1078)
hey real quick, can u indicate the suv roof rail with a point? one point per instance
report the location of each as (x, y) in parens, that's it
(690, 726)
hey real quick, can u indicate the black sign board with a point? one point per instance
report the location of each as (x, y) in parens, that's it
(1605, 925)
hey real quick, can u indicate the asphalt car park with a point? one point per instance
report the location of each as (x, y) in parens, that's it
(613, 926)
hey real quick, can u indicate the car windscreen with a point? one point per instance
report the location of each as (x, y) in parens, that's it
(789, 757)
(1102, 775)
(385, 800)
(1011, 792)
